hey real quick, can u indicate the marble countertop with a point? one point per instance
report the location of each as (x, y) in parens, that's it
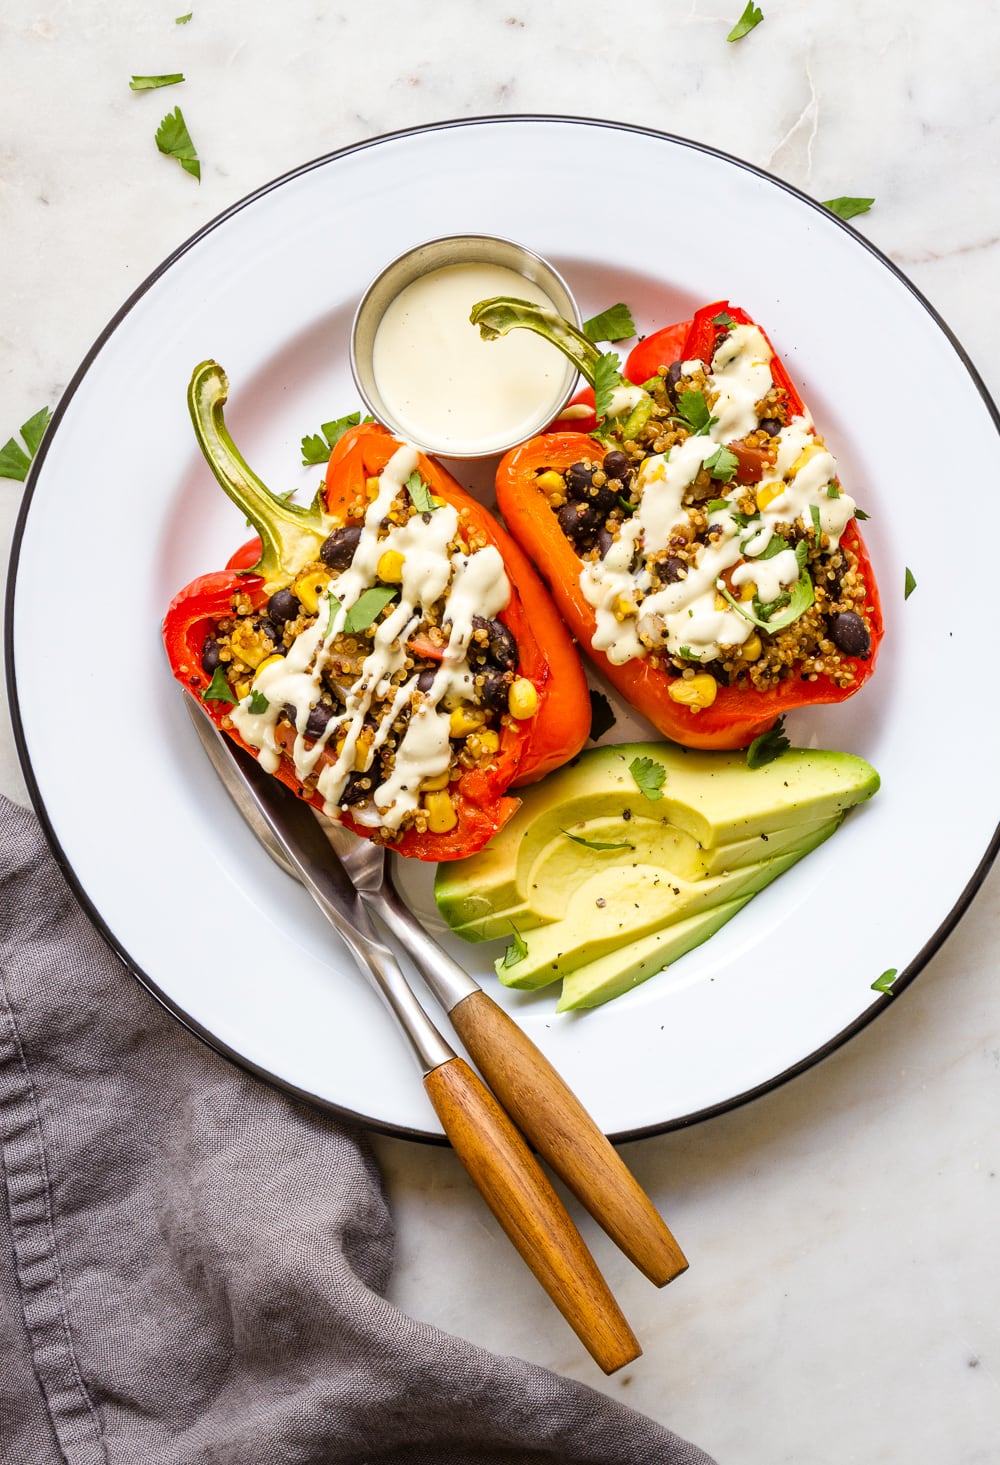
(841, 1301)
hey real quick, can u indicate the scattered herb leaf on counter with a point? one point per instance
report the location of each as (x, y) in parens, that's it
(14, 460)
(909, 583)
(317, 447)
(516, 951)
(613, 324)
(848, 208)
(150, 83)
(885, 981)
(218, 689)
(183, 19)
(768, 746)
(598, 843)
(752, 16)
(602, 717)
(649, 776)
(173, 139)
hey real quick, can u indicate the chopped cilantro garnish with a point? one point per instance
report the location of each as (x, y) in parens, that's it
(909, 583)
(316, 448)
(693, 410)
(368, 607)
(723, 319)
(714, 505)
(150, 83)
(516, 951)
(885, 981)
(817, 526)
(607, 376)
(613, 324)
(258, 702)
(752, 16)
(173, 139)
(775, 545)
(833, 491)
(602, 717)
(598, 844)
(768, 746)
(848, 208)
(420, 492)
(860, 514)
(218, 689)
(649, 776)
(183, 19)
(14, 460)
(722, 465)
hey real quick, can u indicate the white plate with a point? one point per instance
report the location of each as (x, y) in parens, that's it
(120, 512)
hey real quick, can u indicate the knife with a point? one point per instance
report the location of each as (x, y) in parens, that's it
(494, 1153)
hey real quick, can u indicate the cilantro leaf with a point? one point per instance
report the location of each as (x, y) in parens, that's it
(649, 776)
(598, 844)
(723, 319)
(368, 607)
(909, 583)
(613, 324)
(602, 718)
(752, 16)
(848, 208)
(860, 513)
(885, 981)
(218, 689)
(316, 448)
(722, 465)
(14, 461)
(817, 526)
(183, 19)
(173, 139)
(607, 376)
(768, 746)
(258, 702)
(420, 492)
(516, 951)
(693, 410)
(714, 505)
(150, 83)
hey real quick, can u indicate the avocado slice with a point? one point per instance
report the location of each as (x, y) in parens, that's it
(715, 815)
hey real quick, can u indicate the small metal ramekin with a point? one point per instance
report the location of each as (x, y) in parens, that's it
(436, 254)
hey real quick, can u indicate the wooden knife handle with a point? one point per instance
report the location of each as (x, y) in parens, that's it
(520, 1196)
(549, 1113)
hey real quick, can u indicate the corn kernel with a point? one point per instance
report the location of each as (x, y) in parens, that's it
(694, 692)
(487, 741)
(803, 458)
(465, 720)
(243, 688)
(269, 661)
(390, 567)
(309, 587)
(249, 644)
(522, 699)
(363, 748)
(433, 785)
(768, 492)
(371, 488)
(551, 481)
(441, 814)
(623, 608)
(751, 648)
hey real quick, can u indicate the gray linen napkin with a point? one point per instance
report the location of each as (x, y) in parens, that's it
(193, 1264)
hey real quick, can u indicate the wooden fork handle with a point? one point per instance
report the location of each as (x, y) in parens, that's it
(545, 1109)
(520, 1196)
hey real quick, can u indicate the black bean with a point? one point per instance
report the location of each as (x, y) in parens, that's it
(501, 646)
(356, 789)
(605, 539)
(495, 688)
(673, 376)
(284, 605)
(267, 628)
(849, 633)
(603, 499)
(318, 719)
(211, 655)
(579, 480)
(616, 465)
(671, 570)
(770, 425)
(578, 522)
(426, 679)
(338, 550)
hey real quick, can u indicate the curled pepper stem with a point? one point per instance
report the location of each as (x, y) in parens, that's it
(501, 314)
(290, 534)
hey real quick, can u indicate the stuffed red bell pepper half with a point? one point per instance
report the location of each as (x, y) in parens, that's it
(699, 541)
(387, 651)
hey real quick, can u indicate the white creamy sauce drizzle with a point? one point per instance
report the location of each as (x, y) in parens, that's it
(686, 617)
(468, 584)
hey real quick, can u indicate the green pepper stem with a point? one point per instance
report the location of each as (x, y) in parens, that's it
(501, 314)
(290, 534)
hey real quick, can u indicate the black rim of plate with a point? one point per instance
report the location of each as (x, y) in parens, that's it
(930, 947)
